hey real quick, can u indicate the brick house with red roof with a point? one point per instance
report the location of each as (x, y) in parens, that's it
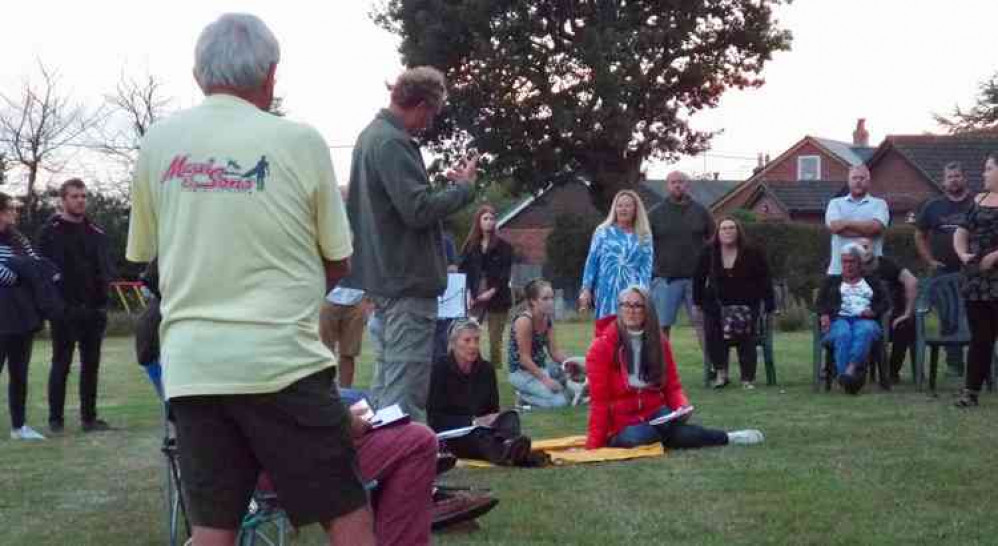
(908, 169)
(798, 184)
(905, 170)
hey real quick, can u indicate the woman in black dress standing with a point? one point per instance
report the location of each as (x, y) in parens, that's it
(976, 244)
(487, 261)
(730, 282)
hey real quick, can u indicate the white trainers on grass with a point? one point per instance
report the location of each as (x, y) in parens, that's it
(25, 433)
(746, 437)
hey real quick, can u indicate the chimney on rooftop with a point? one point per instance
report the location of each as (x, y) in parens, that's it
(861, 137)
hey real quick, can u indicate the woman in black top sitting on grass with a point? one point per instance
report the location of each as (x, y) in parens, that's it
(463, 392)
(730, 282)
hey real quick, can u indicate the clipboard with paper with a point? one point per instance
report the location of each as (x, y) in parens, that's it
(672, 416)
(452, 304)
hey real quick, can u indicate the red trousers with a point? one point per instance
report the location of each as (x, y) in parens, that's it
(403, 460)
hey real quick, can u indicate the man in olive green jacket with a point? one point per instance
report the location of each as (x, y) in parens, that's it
(398, 238)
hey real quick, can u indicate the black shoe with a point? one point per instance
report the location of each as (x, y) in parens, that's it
(850, 384)
(507, 423)
(56, 427)
(445, 462)
(97, 425)
(967, 399)
(515, 451)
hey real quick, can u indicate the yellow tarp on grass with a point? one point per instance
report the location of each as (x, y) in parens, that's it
(572, 450)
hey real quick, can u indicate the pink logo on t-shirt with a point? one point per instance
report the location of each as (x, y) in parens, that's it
(213, 177)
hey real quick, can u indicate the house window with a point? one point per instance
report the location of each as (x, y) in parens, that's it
(809, 167)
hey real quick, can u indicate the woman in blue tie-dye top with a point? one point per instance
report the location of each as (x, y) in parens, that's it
(620, 255)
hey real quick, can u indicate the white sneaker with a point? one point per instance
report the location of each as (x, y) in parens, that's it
(25, 433)
(746, 437)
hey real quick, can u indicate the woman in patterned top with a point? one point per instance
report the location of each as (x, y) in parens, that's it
(531, 340)
(976, 244)
(620, 255)
(16, 341)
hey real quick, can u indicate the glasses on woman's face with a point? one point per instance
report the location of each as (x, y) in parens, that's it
(632, 305)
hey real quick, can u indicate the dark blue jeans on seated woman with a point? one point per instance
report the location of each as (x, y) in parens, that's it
(851, 339)
(674, 435)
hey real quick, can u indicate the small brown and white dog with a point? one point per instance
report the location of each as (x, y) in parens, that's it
(575, 379)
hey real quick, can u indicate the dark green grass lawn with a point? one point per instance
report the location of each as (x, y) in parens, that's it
(894, 468)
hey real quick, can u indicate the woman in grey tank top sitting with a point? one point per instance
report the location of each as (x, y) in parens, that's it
(537, 381)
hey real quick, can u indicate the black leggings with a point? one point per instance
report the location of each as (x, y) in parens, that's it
(487, 443)
(902, 343)
(15, 351)
(481, 444)
(983, 319)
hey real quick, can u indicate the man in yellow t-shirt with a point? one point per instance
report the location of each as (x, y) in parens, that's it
(242, 210)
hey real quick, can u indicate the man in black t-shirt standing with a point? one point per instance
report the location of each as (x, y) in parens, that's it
(78, 247)
(937, 219)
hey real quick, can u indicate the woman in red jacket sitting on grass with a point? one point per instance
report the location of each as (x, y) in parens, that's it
(633, 380)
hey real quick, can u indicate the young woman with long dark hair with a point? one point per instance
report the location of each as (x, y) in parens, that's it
(633, 380)
(17, 330)
(487, 260)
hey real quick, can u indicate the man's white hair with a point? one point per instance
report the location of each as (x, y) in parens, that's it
(237, 50)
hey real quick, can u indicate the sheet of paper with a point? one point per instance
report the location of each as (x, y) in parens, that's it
(672, 416)
(456, 433)
(387, 416)
(452, 304)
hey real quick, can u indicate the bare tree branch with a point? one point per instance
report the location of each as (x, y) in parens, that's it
(134, 106)
(37, 124)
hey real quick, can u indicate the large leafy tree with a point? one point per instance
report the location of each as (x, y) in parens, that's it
(983, 115)
(553, 89)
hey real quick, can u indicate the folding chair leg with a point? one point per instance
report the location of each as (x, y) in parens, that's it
(767, 357)
(916, 370)
(933, 367)
(994, 370)
(816, 356)
(829, 369)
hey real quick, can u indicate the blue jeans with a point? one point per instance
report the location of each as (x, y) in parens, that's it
(675, 435)
(851, 339)
(535, 393)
